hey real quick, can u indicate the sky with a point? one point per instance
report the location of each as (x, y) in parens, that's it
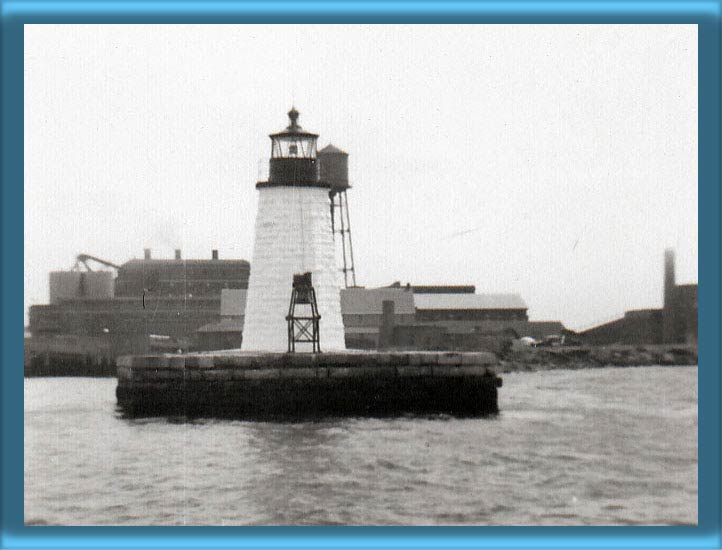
(553, 161)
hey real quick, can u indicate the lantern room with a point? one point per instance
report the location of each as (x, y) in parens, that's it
(293, 157)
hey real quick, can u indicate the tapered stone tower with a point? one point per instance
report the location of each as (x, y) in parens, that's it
(293, 236)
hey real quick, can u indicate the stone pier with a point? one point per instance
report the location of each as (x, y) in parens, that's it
(248, 385)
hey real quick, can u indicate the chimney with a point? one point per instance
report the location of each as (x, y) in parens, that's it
(214, 254)
(670, 307)
(669, 276)
(177, 254)
(146, 253)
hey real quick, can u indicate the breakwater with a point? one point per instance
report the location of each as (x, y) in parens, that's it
(262, 385)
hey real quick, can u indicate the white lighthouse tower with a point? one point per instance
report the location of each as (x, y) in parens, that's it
(293, 236)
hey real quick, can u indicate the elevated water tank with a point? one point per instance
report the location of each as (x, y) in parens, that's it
(333, 167)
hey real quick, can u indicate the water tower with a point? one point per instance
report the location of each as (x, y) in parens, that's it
(292, 236)
(333, 169)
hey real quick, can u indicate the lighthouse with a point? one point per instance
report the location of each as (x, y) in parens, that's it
(293, 235)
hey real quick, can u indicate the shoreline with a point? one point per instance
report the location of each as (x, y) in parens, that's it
(515, 360)
(585, 357)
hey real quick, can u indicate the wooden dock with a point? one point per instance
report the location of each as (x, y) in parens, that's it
(299, 385)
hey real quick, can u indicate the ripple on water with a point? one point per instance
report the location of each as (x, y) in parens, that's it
(569, 448)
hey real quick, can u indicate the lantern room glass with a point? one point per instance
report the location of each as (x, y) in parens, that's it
(293, 146)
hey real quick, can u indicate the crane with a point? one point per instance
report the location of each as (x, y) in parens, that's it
(83, 259)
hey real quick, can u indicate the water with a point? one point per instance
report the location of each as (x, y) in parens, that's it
(590, 447)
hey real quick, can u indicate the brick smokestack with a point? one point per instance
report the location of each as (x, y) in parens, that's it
(669, 312)
(669, 276)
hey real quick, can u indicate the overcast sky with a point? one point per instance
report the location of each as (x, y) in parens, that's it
(556, 162)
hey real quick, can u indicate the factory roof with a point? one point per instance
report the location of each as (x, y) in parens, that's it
(141, 262)
(369, 301)
(444, 289)
(436, 289)
(469, 301)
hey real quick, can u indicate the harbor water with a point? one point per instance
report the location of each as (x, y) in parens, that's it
(611, 446)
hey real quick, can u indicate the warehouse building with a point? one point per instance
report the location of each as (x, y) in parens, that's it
(457, 318)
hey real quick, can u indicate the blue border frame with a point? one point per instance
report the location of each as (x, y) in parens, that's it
(706, 14)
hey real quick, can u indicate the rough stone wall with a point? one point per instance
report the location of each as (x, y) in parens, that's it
(293, 235)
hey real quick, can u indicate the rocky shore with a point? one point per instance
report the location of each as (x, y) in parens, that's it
(586, 357)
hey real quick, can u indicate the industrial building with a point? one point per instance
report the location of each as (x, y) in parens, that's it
(674, 323)
(152, 304)
(195, 304)
(171, 304)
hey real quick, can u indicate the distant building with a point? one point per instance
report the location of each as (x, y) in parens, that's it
(152, 297)
(180, 278)
(402, 317)
(369, 315)
(162, 305)
(680, 306)
(641, 326)
(456, 318)
(441, 307)
(228, 332)
(674, 323)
